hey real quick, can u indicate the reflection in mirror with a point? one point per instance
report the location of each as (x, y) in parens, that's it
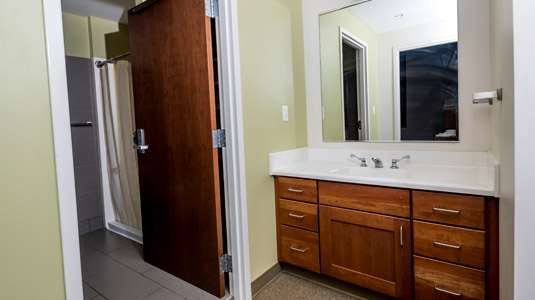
(389, 71)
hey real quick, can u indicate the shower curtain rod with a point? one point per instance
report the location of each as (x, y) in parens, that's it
(101, 64)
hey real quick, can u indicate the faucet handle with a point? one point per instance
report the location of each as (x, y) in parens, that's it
(362, 160)
(396, 160)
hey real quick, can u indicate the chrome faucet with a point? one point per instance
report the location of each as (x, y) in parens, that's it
(395, 161)
(378, 162)
(362, 160)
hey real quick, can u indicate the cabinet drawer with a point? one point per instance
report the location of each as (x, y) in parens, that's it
(388, 201)
(298, 214)
(297, 189)
(459, 210)
(452, 244)
(299, 247)
(439, 280)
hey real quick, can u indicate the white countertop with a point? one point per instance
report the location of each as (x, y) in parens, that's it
(473, 173)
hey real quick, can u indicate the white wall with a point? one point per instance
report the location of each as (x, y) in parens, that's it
(524, 134)
(407, 37)
(474, 76)
(501, 14)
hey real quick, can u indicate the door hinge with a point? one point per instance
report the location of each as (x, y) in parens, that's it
(212, 8)
(220, 139)
(225, 264)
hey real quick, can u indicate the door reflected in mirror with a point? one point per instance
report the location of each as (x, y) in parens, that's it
(389, 71)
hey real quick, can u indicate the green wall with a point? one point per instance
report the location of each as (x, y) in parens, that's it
(94, 37)
(30, 255)
(331, 89)
(76, 35)
(108, 38)
(272, 72)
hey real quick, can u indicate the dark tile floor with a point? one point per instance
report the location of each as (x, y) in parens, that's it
(113, 269)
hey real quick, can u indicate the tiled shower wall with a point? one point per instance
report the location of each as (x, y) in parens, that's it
(85, 144)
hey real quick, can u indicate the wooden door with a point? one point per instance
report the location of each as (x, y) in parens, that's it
(370, 250)
(174, 96)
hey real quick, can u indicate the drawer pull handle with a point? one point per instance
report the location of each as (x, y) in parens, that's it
(295, 191)
(298, 250)
(446, 245)
(446, 210)
(448, 292)
(296, 216)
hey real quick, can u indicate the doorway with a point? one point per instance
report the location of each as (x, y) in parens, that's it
(354, 72)
(237, 282)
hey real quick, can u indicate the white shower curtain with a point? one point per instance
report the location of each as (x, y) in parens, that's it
(119, 125)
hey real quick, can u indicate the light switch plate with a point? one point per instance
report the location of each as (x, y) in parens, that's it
(285, 113)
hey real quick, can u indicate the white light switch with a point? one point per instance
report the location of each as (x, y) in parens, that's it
(285, 113)
(374, 109)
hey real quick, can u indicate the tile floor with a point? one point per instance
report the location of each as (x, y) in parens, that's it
(113, 269)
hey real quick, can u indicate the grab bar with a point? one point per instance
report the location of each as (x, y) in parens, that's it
(81, 124)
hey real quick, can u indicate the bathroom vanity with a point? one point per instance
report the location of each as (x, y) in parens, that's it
(428, 230)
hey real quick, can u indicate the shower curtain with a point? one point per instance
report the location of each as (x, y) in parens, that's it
(119, 125)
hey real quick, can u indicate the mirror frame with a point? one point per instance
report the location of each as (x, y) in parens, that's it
(395, 87)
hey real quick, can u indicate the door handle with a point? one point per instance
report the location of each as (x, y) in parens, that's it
(295, 191)
(139, 141)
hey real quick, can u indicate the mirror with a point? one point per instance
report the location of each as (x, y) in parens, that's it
(389, 71)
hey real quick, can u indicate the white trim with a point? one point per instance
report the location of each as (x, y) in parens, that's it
(362, 105)
(240, 278)
(395, 74)
(474, 75)
(59, 102)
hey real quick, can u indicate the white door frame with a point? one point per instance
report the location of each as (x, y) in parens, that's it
(240, 282)
(364, 114)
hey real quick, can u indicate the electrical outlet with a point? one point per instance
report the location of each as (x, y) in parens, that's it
(285, 113)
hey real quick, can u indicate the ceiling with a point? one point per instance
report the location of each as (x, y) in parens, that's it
(113, 10)
(379, 15)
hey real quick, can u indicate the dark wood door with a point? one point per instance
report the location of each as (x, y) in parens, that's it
(174, 96)
(370, 250)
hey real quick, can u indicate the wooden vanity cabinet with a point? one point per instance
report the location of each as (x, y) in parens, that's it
(385, 239)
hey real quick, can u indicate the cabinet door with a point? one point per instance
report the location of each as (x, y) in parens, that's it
(369, 250)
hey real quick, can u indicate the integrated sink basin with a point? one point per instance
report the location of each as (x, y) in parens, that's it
(474, 173)
(358, 171)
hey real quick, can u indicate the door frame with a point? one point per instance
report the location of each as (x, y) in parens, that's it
(238, 236)
(364, 97)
